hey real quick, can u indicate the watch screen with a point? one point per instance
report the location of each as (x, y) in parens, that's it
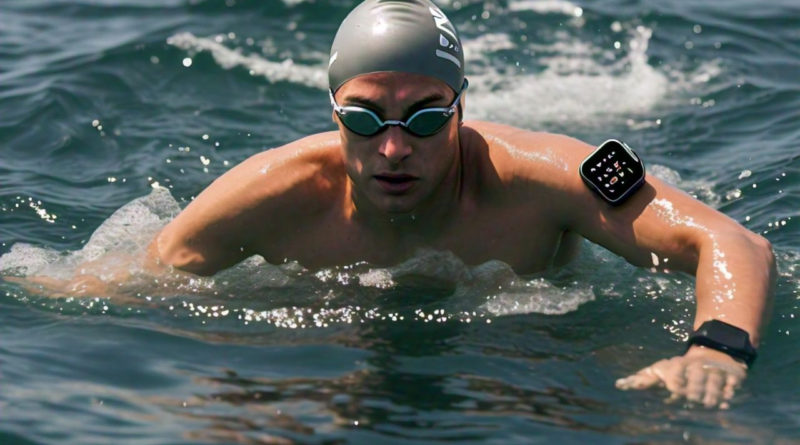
(612, 170)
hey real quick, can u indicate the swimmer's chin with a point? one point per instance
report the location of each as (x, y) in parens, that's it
(399, 211)
(396, 205)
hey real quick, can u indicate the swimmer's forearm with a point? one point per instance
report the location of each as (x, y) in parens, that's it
(736, 277)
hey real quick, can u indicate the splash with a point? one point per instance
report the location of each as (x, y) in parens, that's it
(255, 291)
(576, 85)
(128, 231)
(546, 7)
(577, 82)
(286, 71)
(699, 189)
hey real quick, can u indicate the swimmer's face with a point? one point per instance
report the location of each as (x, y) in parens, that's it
(397, 171)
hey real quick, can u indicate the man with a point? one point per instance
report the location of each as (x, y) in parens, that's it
(386, 184)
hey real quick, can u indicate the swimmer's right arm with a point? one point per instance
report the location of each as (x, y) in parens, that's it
(199, 241)
(246, 211)
(226, 224)
(214, 232)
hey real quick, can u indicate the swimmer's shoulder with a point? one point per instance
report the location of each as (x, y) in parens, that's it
(309, 170)
(525, 160)
(267, 196)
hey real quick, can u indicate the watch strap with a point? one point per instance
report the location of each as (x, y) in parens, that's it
(724, 337)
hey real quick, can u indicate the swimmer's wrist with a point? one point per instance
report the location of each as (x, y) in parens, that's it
(702, 351)
(724, 338)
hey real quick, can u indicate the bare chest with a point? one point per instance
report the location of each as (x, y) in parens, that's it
(528, 243)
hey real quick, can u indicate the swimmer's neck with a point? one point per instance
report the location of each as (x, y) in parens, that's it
(428, 220)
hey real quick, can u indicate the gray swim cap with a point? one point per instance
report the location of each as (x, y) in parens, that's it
(409, 36)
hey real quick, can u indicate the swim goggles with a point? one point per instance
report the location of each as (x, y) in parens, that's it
(425, 122)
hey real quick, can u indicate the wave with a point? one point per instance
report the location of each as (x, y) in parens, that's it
(577, 83)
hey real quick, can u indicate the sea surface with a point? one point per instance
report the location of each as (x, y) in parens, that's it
(114, 114)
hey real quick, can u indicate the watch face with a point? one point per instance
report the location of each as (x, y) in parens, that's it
(726, 334)
(613, 170)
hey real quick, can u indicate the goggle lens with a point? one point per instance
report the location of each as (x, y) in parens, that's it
(360, 123)
(426, 124)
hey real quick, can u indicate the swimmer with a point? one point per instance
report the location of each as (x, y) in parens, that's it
(405, 171)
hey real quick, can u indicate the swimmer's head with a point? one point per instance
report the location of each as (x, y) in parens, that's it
(404, 36)
(394, 58)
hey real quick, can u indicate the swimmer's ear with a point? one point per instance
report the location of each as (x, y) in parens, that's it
(333, 116)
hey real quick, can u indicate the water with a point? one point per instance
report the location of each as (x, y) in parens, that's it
(97, 104)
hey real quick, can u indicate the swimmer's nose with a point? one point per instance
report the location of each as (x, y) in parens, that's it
(394, 145)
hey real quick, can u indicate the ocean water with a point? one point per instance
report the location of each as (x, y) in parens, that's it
(115, 113)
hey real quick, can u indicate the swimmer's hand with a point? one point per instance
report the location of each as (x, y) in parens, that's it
(95, 278)
(107, 276)
(83, 285)
(702, 375)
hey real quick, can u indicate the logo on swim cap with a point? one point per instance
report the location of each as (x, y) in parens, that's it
(441, 21)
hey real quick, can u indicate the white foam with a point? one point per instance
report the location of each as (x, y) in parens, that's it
(286, 71)
(546, 7)
(538, 296)
(578, 84)
(493, 286)
(380, 278)
(574, 87)
(486, 44)
(701, 189)
(665, 174)
(128, 231)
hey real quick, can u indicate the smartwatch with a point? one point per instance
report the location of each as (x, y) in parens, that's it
(613, 171)
(725, 338)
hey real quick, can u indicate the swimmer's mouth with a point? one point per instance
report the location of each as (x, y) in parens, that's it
(395, 179)
(396, 184)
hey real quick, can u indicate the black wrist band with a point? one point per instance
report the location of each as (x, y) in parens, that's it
(726, 338)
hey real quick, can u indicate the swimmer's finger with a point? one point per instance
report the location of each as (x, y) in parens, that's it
(732, 383)
(695, 382)
(674, 376)
(715, 383)
(673, 397)
(39, 285)
(48, 282)
(645, 378)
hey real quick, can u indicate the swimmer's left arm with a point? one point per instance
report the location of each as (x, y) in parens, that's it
(663, 227)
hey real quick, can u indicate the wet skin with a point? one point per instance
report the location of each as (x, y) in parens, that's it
(330, 199)
(481, 190)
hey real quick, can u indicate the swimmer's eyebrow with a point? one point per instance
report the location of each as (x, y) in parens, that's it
(355, 99)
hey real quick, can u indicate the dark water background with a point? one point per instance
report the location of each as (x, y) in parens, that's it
(96, 104)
